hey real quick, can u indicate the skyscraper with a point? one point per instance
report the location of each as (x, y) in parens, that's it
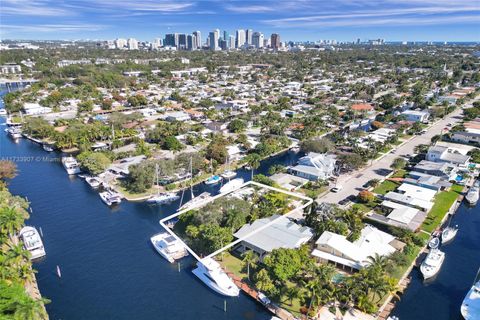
(132, 44)
(214, 36)
(182, 41)
(275, 41)
(249, 35)
(257, 39)
(191, 42)
(171, 40)
(226, 36)
(231, 42)
(198, 38)
(120, 43)
(240, 38)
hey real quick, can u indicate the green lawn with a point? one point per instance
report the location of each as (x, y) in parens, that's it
(399, 271)
(385, 187)
(443, 202)
(399, 174)
(233, 264)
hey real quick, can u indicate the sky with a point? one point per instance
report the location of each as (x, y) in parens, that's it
(296, 20)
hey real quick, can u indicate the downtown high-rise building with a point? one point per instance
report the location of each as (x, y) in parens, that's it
(182, 41)
(191, 42)
(257, 39)
(171, 40)
(198, 38)
(120, 43)
(240, 38)
(231, 42)
(226, 35)
(214, 38)
(132, 44)
(275, 41)
(249, 36)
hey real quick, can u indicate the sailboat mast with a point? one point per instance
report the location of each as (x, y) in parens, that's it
(191, 178)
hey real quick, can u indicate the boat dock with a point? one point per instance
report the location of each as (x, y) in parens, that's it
(254, 294)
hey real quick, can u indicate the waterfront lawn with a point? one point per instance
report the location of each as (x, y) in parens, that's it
(399, 271)
(233, 264)
(443, 201)
(385, 187)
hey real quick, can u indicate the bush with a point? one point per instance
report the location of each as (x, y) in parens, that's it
(366, 196)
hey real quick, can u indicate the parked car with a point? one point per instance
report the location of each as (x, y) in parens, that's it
(336, 189)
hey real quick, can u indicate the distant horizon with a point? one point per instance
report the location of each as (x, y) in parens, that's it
(296, 20)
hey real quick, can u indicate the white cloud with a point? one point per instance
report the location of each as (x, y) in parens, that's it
(31, 8)
(142, 5)
(50, 28)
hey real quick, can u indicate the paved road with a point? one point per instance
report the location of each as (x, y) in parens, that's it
(352, 183)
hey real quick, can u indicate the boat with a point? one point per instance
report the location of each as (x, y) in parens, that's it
(110, 198)
(71, 165)
(93, 182)
(163, 198)
(168, 246)
(210, 272)
(228, 174)
(448, 234)
(432, 263)
(197, 201)
(232, 185)
(213, 180)
(32, 242)
(3, 112)
(59, 273)
(47, 147)
(470, 308)
(473, 195)
(434, 243)
(14, 132)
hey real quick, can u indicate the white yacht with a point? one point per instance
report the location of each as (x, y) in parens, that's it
(168, 247)
(161, 198)
(197, 201)
(434, 243)
(432, 263)
(213, 180)
(3, 112)
(210, 272)
(32, 242)
(110, 198)
(232, 185)
(473, 195)
(47, 147)
(470, 308)
(448, 234)
(93, 182)
(228, 174)
(14, 132)
(71, 165)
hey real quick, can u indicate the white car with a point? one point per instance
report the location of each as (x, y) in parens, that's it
(336, 189)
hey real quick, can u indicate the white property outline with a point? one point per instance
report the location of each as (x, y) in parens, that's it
(296, 195)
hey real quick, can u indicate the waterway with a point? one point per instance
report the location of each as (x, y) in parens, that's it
(109, 268)
(441, 298)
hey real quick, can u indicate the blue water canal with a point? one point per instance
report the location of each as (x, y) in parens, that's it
(110, 270)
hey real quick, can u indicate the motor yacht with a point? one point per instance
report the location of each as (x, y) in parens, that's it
(14, 132)
(71, 165)
(228, 174)
(47, 147)
(432, 263)
(93, 182)
(473, 195)
(32, 242)
(470, 308)
(110, 198)
(168, 246)
(434, 243)
(213, 180)
(210, 272)
(232, 185)
(448, 234)
(161, 198)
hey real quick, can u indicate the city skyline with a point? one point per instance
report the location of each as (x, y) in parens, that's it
(301, 20)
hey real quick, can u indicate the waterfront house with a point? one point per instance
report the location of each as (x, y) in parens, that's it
(428, 181)
(282, 233)
(439, 169)
(412, 195)
(315, 166)
(336, 249)
(35, 109)
(444, 154)
(399, 215)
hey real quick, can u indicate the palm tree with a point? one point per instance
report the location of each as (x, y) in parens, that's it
(30, 309)
(249, 259)
(292, 293)
(378, 262)
(313, 287)
(253, 160)
(11, 220)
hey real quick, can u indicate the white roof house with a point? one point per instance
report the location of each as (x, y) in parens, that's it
(336, 248)
(283, 233)
(315, 166)
(417, 192)
(35, 108)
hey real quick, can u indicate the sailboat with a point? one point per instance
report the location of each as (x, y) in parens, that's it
(194, 201)
(164, 197)
(228, 174)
